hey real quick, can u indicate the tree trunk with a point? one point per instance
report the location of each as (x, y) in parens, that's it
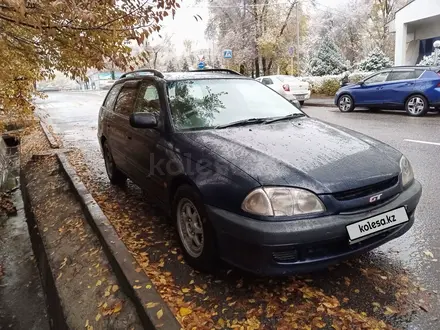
(263, 63)
(257, 67)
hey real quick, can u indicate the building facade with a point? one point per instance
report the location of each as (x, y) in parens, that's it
(416, 27)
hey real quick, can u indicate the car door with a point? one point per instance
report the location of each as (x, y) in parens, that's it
(149, 159)
(399, 85)
(369, 91)
(119, 128)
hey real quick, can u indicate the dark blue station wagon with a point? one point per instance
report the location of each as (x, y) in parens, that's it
(248, 177)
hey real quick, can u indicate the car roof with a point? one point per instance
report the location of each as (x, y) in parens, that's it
(189, 75)
(419, 67)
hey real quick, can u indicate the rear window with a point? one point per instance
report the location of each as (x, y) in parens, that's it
(206, 103)
(288, 79)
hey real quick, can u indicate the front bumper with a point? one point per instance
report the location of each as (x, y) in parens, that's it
(283, 248)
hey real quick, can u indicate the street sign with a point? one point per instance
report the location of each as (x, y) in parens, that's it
(291, 50)
(227, 53)
(201, 65)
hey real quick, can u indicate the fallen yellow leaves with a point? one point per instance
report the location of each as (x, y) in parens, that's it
(98, 317)
(152, 305)
(199, 290)
(159, 314)
(389, 310)
(184, 311)
(115, 288)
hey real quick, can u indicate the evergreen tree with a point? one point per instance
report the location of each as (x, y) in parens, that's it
(185, 65)
(328, 59)
(428, 60)
(375, 61)
(170, 66)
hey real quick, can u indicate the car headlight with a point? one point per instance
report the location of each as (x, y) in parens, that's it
(407, 171)
(280, 201)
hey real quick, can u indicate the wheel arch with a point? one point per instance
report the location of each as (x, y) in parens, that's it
(414, 93)
(178, 181)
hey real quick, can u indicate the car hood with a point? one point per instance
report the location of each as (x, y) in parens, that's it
(303, 153)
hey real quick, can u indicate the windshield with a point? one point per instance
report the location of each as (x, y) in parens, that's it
(207, 103)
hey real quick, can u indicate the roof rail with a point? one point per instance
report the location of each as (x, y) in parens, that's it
(136, 73)
(217, 70)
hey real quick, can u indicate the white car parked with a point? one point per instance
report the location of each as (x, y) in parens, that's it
(288, 86)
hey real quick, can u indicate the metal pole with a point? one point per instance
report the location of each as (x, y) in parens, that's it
(297, 37)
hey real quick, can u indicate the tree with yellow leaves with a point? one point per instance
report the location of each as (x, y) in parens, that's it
(38, 37)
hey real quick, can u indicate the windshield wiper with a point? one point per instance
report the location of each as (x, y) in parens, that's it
(242, 123)
(292, 115)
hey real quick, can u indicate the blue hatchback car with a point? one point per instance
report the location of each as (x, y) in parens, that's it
(414, 89)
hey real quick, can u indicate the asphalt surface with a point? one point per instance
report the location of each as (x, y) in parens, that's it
(407, 267)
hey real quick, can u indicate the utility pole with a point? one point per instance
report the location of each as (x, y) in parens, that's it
(297, 37)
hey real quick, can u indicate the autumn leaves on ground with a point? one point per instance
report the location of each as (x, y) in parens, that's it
(233, 299)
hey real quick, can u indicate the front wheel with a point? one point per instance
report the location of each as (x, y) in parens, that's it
(195, 232)
(301, 102)
(417, 106)
(345, 103)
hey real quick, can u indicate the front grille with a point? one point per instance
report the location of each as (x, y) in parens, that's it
(366, 191)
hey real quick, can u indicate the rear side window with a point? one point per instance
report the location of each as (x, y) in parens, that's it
(267, 81)
(126, 100)
(419, 72)
(109, 102)
(402, 75)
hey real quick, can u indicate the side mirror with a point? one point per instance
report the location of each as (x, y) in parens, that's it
(361, 83)
(143, 120)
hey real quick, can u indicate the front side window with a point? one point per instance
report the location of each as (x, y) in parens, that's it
(379, 78)
(126, 99)
(148, 99)
(207, 103)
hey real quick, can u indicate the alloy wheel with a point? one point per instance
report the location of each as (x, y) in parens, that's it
(345, 103)
(190, 228)
(416, 105)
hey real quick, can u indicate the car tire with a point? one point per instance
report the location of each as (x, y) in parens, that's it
(345, 103)
(417, 105)
(115, 176)
(194, 230)
(301, 102)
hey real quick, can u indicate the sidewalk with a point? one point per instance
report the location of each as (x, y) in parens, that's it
(320, 102)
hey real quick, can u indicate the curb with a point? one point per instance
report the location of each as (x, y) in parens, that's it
(122, 262)
(321, 105)
(55, 311)
(53, 143)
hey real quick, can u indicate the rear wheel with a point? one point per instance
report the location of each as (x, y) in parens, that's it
(345, 103)
(115, 176)
(195, 232)
(417, 106)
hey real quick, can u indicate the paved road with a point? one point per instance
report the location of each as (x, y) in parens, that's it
(405, 268)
